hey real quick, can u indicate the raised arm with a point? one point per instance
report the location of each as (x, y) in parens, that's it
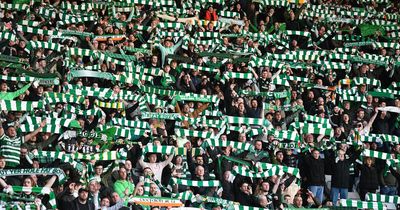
(178, 44)
(35, 132)
(12, 95)
(167, 161)
(3, 183)
(141, 162)
(51, 181)
(1, 128)
(371, 121)
(199, 110)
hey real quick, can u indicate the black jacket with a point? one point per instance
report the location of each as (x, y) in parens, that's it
(315, 171)
(245, 199)
(75, 205)
(368, 177)
(341, 173)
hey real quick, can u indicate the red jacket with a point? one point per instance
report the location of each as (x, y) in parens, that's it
(211, 16)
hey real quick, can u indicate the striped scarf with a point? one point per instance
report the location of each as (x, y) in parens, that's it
(192, 183)
(383, 198)
(233, 144)
(376, 154)
(361, 204)
(10, 105)
(194, 133)
(39, 190)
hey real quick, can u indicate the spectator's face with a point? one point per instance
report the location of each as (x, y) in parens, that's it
(254, 103)
(369, 162)
(396, 149)
(153, 189)
(203, 92)
(258, 145)
(292, 16)
(93, 186)
(11, 132)
(320, 101)
(40, 90)
(178, 160)
(364, 68)
(140, 190)
(288, 199)
(315, 154)
(128, 165)
(116, 89)
(200, 171)
(242, 137)
(199, 160)
(82, 123)
(153, 158)
(224, 137)
(226, 175)
(363, 88)
(298, 201)
(2, 163)
(154, 59)
(361, 114)
(311, 95)
(167, 69)
(338, 131)
(3, 87)
(115, 197)
(263, 201)
(278, 116)
(71, 187)
(346, 118)
(24, 152)
(245, 188)
(279, 156)
(122, 173)
(105, 202)
(265, 186)
(241, 107)
(168, 43)
(341, 155)
(27, 183)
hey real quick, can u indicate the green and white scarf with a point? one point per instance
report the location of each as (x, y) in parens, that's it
(40, 190)
(383, 198)
(361, 204)
(192, 183)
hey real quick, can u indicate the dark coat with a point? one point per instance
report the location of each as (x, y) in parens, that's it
(341, 173)
(315, 171)
(369, 177)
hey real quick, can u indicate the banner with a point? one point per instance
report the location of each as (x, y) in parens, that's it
(37, 171)
(156, 201)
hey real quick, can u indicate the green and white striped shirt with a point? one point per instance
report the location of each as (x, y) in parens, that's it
(10, 149)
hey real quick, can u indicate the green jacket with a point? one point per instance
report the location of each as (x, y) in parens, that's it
(12, 95)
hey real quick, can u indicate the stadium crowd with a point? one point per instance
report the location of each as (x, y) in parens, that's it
(203, 104)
